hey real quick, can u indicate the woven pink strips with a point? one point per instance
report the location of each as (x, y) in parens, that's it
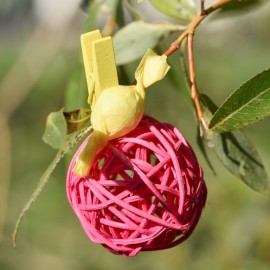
(145, 191)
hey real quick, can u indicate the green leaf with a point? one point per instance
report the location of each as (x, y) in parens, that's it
(247, 105)
(236, 8)
(56, 130)
(132, 41)
(236, 153)
(76, 119)
(60, 124)
(240, 5)
(72, 140)
(184, 10)
(76, 92)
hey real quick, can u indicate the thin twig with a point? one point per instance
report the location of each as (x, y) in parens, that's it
(195, 95)
(202, 7)
(193, 87)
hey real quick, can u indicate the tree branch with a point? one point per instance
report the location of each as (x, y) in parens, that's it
(195, 23)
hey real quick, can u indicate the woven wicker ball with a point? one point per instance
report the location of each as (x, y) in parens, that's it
(145, 191)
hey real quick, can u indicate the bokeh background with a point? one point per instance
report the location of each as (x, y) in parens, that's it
(39, 48)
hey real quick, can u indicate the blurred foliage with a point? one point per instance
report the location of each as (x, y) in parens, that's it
(128, 45)
(183, 10)
(234, 230)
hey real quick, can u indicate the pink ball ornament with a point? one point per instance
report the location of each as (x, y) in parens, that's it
(144, 192)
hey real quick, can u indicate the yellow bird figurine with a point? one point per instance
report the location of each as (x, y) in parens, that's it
(116, 109)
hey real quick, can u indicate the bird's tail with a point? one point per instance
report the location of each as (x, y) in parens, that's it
(96, 142)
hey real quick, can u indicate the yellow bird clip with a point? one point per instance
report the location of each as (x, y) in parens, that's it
(116, 109)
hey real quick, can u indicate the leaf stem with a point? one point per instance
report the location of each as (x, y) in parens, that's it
(193, 87)
(192, 77)
(45, 178)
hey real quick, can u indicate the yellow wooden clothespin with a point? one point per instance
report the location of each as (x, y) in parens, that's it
(99, 64)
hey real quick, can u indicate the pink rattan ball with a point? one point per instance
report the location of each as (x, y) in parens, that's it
(145, 191)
